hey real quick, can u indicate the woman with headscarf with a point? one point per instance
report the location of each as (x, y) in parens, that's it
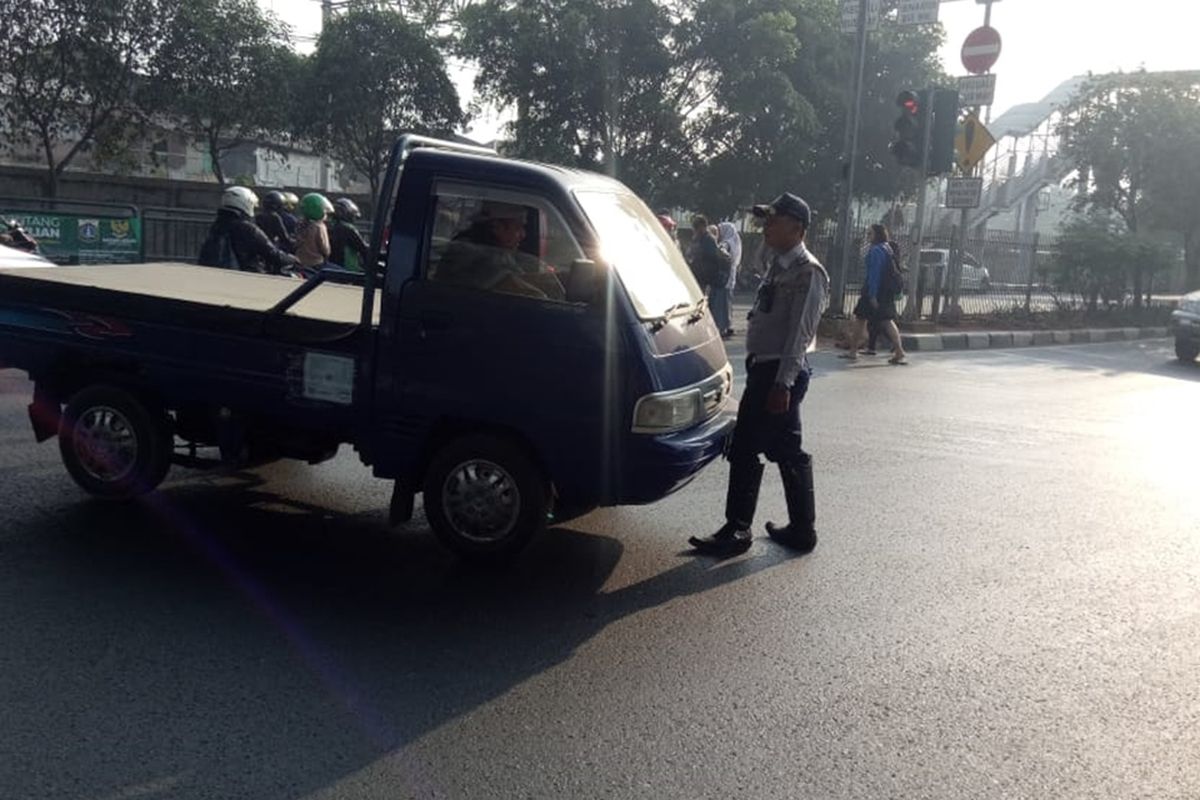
(730, 242)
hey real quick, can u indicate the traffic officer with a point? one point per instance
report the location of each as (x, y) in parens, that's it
(783, 325)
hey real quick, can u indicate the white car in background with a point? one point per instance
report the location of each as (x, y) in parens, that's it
(975, 277)
(13, 258)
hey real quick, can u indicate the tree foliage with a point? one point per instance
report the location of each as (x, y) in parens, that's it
(1098, 254)
(1135, 142)
(709, 103)
(373, 76)
(69, 70)
(226, 75)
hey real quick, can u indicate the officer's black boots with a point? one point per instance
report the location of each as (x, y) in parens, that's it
(729, 540)
(741, 499)
(800, 533)
(734, 537)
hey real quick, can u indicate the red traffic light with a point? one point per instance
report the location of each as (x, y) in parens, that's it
(909, 101)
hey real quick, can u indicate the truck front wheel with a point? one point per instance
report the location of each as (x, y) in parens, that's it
(112, 444)
(1186, 349)
(485, 498)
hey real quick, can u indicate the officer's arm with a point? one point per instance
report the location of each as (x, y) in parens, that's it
(803, 319)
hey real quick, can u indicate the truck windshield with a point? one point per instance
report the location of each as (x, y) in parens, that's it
(634, 243)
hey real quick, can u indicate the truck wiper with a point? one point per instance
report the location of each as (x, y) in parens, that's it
(698, 312)
(661, 320)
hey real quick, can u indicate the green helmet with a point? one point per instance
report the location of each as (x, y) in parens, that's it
(315, 206)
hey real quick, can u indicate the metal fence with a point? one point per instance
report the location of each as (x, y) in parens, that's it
(1002, 271)
(174, 234)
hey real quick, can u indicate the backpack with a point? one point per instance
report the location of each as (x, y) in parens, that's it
(895, 277)
(217, 251)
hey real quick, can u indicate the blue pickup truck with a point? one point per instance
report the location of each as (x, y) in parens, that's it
(530, 344)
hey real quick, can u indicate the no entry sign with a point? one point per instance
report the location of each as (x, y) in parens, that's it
(981, 50)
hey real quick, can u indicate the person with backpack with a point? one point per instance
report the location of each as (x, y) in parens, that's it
(235, 242)
(269, 219)
(877, 303)
(346, 245)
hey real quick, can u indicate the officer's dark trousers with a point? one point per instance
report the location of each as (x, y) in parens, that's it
(777, 436)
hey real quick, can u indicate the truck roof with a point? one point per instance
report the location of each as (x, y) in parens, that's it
(515, 170)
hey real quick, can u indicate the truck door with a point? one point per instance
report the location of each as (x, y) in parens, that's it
(499, 330)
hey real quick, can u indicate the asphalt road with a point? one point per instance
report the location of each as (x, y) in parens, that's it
(1005, 603)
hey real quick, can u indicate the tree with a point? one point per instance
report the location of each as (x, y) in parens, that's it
(778, 70)
(69, 70)
(1133, 141)
(224, 75)
(594, 83)
(373, 76)
(1097, 254)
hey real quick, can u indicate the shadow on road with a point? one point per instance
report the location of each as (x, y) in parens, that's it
(223, 641)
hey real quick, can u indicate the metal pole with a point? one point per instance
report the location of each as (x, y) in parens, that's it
(912, 310)
(845, 234)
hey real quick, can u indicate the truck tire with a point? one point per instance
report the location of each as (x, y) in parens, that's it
(114, 445)
(1186, 349)
(485, 498)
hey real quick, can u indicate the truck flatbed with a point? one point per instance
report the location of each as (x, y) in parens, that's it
(188, 295)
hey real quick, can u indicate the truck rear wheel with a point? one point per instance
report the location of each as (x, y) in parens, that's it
(485, 498)
(112, 444)
(1186, 349)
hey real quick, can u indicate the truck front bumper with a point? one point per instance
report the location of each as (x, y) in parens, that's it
(656, 466)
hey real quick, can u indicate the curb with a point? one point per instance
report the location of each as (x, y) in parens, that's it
(990, 340)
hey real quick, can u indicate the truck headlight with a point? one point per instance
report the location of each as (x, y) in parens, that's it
(667, 412)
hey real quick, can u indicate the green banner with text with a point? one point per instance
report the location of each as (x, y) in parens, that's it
(81, 238)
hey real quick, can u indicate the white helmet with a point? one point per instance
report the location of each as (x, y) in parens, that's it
(239, 199)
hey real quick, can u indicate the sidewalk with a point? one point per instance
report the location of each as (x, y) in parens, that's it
(984, 340)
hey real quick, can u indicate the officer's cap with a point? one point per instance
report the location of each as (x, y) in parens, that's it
(786, 205)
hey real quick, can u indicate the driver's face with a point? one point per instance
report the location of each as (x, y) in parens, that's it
(509, 233)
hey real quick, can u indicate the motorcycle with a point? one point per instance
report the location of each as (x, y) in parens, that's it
(16, 237)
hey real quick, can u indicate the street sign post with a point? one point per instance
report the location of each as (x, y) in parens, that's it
(918, 12)
(981, 50)
(964, 192)
(972, 143)
(976, 90)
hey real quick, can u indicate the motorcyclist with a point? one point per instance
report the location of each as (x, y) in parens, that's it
(235, 242)
(288, 215)
(15, 236)
(312, 237)
(346, 245)
(268, 220)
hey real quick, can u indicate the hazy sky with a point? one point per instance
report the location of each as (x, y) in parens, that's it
(1044, 41)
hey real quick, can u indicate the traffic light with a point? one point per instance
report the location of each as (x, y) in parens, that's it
(945, 127)
(910, 128)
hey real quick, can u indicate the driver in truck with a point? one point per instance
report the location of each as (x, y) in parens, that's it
(488, 255)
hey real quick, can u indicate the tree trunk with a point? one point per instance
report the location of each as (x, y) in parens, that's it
(51, 184)
(214, 153)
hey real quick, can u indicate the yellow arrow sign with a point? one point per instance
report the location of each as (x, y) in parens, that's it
(972, 143)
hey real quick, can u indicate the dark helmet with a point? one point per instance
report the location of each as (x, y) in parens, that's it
(273, 200)
(346, 209)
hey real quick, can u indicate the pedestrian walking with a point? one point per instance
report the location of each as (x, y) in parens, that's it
(783, 326)
(877, 301)
(721, 301)
(708, 263)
